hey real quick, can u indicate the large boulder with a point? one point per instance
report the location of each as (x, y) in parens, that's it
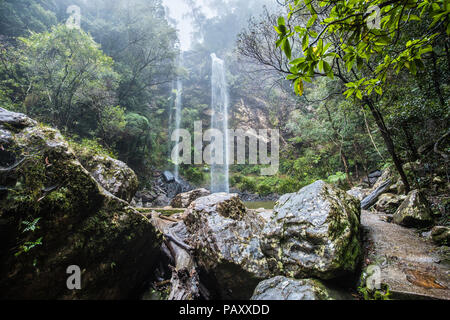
(282, 288)
(113, 175)
(183, 200)
(313, 233)
(54, 214)
(414, 211)
(225, 238)
(388, 203)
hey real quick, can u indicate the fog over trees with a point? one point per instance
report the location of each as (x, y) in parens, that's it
(111, 83)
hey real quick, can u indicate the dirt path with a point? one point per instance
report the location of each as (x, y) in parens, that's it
(411, 265)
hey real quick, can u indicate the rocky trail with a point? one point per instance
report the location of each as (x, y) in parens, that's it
(412, 266)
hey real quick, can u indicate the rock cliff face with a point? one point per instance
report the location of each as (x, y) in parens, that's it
(54, 214)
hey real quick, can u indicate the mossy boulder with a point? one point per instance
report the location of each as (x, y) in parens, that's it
(113, 175)
(414, 211)
(225, 238)
(54, 214)
(314, 233)
(389, 202)
(282, 288)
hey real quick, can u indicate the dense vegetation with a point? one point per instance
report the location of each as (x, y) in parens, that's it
(347, 99)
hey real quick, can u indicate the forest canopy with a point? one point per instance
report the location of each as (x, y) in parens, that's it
(348, 93)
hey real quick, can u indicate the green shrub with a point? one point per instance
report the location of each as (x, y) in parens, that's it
(193, 174)
(264, 188)
(248, 184)
(288, 185)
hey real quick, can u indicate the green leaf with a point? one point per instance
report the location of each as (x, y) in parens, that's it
(286, 46)
(298, 85)
(305, 42)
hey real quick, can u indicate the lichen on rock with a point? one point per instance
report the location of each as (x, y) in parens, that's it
(313, 233)
(183, 200)
(282, 288)
(414, 211)
(225, 238)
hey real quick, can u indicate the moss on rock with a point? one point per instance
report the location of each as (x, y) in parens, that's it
(77, 222)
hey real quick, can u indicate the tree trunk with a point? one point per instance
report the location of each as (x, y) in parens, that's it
(436, 80)
(388, 141)
(410, 142)
(347, 171)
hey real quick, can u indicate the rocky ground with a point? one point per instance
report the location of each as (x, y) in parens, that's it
(411, 265)
(61, 206)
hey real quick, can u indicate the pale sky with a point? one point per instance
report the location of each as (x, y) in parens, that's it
(177, 11)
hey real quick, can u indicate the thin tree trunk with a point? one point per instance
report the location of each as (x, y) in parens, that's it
(437, 87)
(410, 142)
(388, 141)
(347, 171)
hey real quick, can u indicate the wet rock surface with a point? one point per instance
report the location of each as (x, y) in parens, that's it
(414, 211)
(388, 203)
(358, 192)
(282, 288)
(183, 200)
(225, 238)
(313, 233)
(113, 175)
(412, 267)
(54, 214)
(163, 189)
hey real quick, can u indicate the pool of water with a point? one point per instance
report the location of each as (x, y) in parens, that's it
(260, 204)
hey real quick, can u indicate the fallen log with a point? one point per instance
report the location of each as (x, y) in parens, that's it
(185, 281)
(372, 198)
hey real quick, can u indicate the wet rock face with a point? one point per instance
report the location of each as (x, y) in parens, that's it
(441, 235)
(313, 233)
(358, 192)
(183, 200)
(282, 288)
(113, 175)
(161, 192)
(168, 176)
(388, 203)
(225, 238)
(77, 223)
(15, 121)
(414, 211)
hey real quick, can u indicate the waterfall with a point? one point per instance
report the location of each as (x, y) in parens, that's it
(219, 120)
(178, 108)
(170, 126)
